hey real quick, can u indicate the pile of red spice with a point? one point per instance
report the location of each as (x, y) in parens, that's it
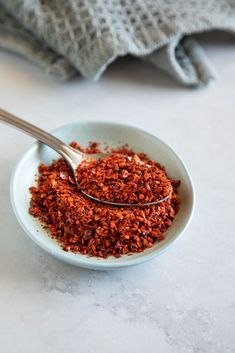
(90, 228)
(124, 178)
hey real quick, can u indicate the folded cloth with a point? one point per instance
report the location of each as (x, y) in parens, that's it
(69, 36)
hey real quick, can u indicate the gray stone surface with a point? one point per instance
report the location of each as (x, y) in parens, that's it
(182, 301)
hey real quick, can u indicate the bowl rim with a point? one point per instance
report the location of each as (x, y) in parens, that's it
(94, 262)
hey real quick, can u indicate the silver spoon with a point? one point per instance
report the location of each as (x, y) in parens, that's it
(72, 156)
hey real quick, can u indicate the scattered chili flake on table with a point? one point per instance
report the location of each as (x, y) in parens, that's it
(90, 228)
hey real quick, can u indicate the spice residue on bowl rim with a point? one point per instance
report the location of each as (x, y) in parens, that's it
(81, 225)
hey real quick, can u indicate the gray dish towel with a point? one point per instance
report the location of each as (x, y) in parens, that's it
(69, 36)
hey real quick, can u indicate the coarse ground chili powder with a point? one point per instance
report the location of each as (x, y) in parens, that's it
(82, 225)
(124, 178)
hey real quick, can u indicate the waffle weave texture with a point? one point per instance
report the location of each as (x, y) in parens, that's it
(69, 36)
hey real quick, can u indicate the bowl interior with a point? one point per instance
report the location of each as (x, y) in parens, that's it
(114, 135)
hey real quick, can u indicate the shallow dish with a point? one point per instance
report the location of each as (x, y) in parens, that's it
(114, 135)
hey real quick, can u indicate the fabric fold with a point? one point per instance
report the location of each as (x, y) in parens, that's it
(65, 37)
(185, 61)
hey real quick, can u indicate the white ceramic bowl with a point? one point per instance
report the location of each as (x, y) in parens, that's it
(114, 135)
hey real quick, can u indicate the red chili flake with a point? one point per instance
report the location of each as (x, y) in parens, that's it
(121, 178)
(82, 225)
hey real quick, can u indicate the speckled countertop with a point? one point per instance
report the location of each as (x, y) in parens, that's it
(183, 301)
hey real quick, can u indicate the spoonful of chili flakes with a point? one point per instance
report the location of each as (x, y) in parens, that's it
(114, 179)
(124, 180)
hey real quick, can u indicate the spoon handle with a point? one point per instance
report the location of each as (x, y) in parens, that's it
(41, 135)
